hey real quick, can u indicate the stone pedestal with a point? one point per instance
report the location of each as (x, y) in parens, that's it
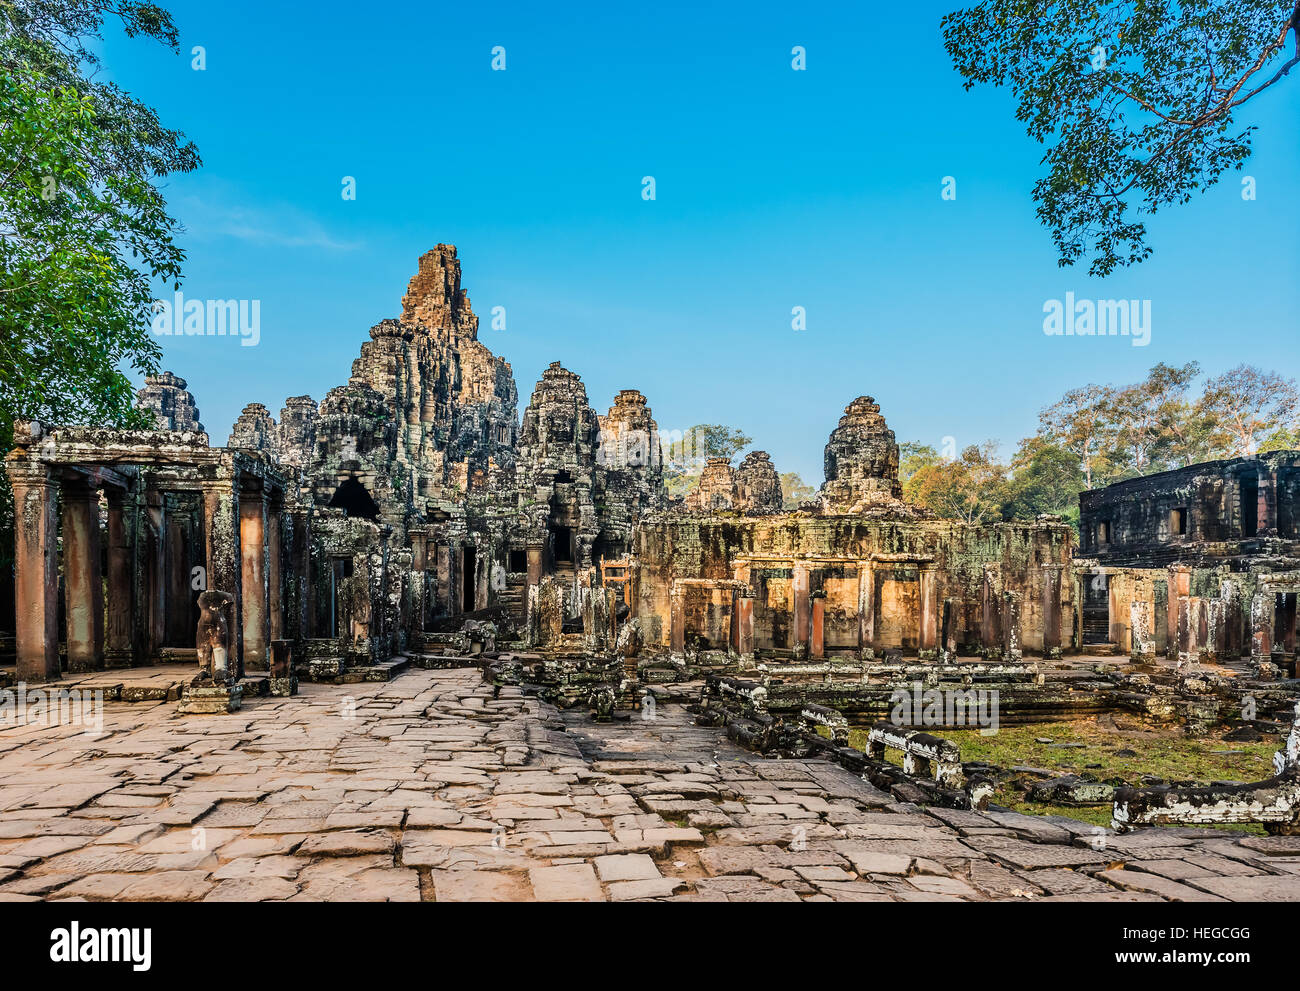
(211, 699)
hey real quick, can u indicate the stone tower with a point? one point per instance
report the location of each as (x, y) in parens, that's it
(256, 430)
(630, 470)
(166, 394)
(861, 463)
(716, 489)
(556, 467)
(758, 487)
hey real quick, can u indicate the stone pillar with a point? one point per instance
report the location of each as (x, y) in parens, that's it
(817, 625)
(83, 583)
(275, 573)
(1180, 587)
(1141, 622)
(536, 562)
(745, 624)
(304, 588)
(1263, 608)
(948, 632)
(802, 613)
(1011, 626)
(253, 564)
(1267, 511)
(1052, 610)
(928, 640)
(990, 598)
(221, 525)
(677, 620)
(1185, 635)
(445, 592)
(117, 648)
(419, 564)
(153, 574)
(866, 610)
(36, 573)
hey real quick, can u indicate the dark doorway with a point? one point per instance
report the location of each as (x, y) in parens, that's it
(353, 499)
(1096, 608)
(1249, 507)
(467, 576)
(518, 562)
(1178, 522)
(563, 544)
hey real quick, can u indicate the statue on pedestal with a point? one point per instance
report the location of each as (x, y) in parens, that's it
(213, 638)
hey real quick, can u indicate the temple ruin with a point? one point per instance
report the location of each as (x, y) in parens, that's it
(414, 518)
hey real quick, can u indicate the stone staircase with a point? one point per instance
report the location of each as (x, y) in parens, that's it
(514, 598)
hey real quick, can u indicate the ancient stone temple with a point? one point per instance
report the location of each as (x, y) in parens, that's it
(256, 430)
(167, 395)
(556, 471)
(629, 471)
(543, 617)
(411, 495)
(758, 487)
(861, 463)
(1198, 562)
(716, 489)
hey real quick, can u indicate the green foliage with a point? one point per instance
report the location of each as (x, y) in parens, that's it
(1099, 434)
(971, 487)
(794, 490)
(1044, 478)
(708, 440)
(685, 458)
(84, 231)
(1133, 101)
(912, 457)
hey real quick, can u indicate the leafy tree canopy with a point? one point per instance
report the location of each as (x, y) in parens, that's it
(1134, 101)
(84, 230)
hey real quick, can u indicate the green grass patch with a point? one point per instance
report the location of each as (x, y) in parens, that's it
(1164, 753)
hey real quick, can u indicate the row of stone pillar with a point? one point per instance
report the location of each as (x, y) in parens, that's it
(740, 632)
(242, 547)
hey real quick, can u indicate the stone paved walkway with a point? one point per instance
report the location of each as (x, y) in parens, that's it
(427, 788)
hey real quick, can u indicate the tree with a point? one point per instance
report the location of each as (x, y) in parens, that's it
(1082, 422)
(1153, 419)
(1134, 102)
(1045, 478)
(971, 487)
(794, 491)
(84, 230)
(913, 456)
(1246, 404)
(686, 456)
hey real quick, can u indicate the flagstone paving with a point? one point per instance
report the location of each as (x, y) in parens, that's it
(428, 788)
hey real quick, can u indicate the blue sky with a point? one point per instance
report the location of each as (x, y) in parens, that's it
(774, 189)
